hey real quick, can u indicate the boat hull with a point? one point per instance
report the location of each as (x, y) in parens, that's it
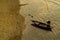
(44, 28)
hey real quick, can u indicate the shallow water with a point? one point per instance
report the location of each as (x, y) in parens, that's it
(41, 11)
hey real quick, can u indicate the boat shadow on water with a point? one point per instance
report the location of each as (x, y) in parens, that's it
(41, 25)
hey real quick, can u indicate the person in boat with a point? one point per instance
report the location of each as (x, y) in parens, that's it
(42, 24)
(48, 24)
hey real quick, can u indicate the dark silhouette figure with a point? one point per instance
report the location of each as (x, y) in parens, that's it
(48, 24)
(42, 25)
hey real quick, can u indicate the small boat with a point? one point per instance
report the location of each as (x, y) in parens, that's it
(41, 25)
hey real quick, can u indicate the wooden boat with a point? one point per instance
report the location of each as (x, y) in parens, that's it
(41, 25)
